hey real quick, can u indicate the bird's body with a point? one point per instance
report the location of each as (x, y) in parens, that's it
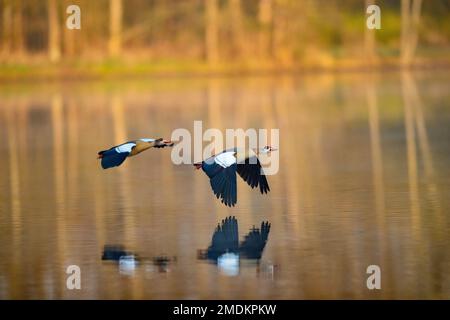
(221, 170)
(114, 156)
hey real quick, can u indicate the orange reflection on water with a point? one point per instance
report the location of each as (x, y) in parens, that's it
(363, 180)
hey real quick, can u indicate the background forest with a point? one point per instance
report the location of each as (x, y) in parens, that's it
(164, 36)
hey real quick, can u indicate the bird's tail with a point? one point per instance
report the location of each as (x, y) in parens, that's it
(198, 165)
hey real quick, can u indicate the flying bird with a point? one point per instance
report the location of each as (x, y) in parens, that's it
(221, 170)
(114, 156)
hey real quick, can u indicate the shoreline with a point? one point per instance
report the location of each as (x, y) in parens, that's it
(11, 72)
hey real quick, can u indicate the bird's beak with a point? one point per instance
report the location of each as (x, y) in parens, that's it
(168, 143)
(273, 149)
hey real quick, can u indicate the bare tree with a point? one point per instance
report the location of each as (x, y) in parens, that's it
(7, 27)
(236, 27)
(68, 37)
(18, 27)
(410, 11)
(54, 39)
(286, 20)
(115, 27)
(265, 17)
(369, 38)
(212, 30)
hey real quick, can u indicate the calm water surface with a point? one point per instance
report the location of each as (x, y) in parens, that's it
(364, 179)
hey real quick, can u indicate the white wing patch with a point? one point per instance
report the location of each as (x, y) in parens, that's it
(147, 140)
(126, 147)
(225, 159)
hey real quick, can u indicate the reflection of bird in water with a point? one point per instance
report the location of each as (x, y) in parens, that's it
(229, 263)
(127, 264)
(221, 170)
(114, 156)
(163, 262)
(113, 252)
(255, 241)
(128, 261)
(226, 240)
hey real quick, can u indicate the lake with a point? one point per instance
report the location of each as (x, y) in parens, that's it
(364, 179)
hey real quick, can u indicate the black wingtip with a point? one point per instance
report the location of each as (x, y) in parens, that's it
(264, 189)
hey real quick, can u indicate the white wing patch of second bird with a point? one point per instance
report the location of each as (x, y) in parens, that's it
(126, 147)
(225, 159)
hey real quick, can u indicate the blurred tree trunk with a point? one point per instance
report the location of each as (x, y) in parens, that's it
(280, 31)
(416, 12)
(236, 27)
(7, 27)
(69, 36)
(410, 11)
(265, 15)
(278, 27)
(115, 27)
(212, 30)
(405, 11)
(54, 46)
(369, 38)
(69, 42)
(18, 27)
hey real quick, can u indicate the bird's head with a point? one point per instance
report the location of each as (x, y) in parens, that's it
(268, 149)
(161, 143)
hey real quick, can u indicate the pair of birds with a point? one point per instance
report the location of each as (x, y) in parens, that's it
(221, 168)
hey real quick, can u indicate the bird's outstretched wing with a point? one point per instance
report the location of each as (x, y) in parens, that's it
(251, 172)
(221, 171)
(116, 155)
(225, 238)
(255, 241)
